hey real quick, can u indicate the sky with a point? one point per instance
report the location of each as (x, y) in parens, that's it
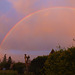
(34, 27)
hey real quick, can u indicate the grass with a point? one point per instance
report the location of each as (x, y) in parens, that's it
(8, 72)
(11, 72)
(30, 73)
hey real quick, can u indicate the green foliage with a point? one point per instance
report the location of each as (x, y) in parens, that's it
(7, 72)
(61, 62)
(6, 64)
(37, 64)
(19, 67)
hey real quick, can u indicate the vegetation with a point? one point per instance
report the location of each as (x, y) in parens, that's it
(37, 64)
(8, 72)
(61, 62)
(6, 63)
(19, 67)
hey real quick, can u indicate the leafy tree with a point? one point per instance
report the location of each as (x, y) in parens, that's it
(61, 62)
(19, 67)
(37, 64)
(9, 60)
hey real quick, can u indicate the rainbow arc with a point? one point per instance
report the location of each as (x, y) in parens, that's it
(28, 16)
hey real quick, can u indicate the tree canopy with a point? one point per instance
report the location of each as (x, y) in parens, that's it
(61, 62)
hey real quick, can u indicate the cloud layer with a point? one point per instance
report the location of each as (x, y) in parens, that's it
(28, 6)
(43, 31)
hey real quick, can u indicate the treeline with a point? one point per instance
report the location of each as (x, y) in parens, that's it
(5, 64)
(9, 64)
(60, 62)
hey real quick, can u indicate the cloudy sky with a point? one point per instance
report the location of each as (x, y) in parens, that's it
(49, 23)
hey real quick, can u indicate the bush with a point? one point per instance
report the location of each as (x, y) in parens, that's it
(61, 62)
(19, 67)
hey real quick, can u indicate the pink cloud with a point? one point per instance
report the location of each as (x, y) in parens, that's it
(43, 31)
(28, 6)
(24, 6)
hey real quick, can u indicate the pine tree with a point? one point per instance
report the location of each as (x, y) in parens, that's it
(9, 60)
(4, 59)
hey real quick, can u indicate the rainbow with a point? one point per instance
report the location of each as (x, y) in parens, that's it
(26, 17)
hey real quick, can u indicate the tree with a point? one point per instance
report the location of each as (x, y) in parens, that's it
(19, 67)
(37, 64)
(52, 51)
(6, 63)
(61, 62)
(3, 64)
(4, 59)
(9, 60)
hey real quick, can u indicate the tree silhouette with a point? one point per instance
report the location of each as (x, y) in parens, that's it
(4, 59)
(52, 51)
(9, 60)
